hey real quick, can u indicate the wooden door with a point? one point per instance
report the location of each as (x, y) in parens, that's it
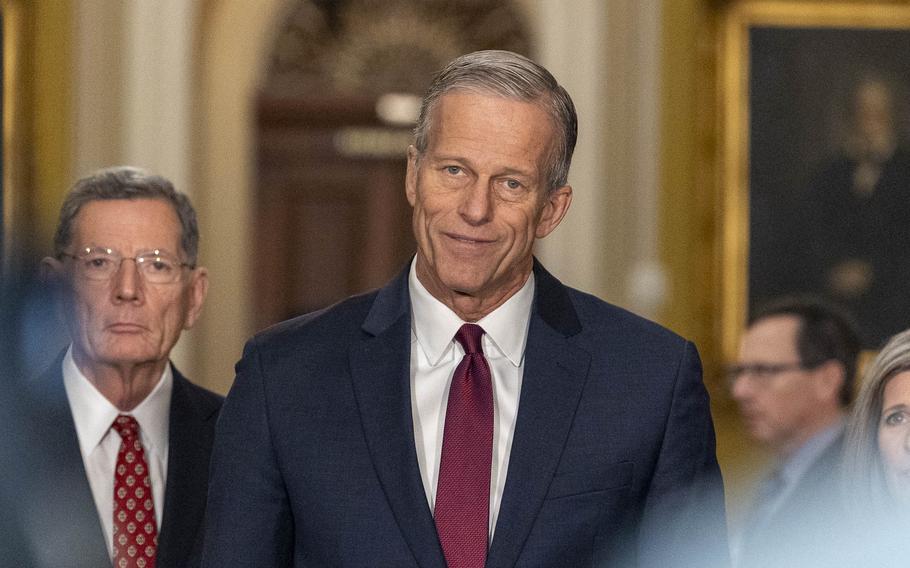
(331, 217)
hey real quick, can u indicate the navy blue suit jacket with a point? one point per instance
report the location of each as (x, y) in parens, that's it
(49, 514)
(315, 462)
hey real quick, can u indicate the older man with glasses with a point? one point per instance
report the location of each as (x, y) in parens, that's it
(116, 441)
(792, 382)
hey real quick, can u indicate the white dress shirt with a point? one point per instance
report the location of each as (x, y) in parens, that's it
(93, 415)
(434, 356)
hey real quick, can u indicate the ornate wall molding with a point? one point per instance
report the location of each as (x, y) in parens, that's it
(373, 47)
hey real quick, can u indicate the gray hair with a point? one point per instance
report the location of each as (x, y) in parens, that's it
(126, 182)
(513, 76)
(863, 465)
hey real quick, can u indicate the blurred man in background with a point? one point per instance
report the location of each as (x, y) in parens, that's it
(793, 382)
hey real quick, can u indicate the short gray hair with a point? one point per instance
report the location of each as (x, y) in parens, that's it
(126, 182)
(513, 76)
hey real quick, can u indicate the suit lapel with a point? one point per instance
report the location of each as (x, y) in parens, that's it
(554, 377)
(189, 445)
(380, 370)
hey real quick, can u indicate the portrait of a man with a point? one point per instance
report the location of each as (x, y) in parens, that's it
(829, 173)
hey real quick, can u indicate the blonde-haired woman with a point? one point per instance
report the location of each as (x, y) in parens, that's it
(877, 457)
(877, 449)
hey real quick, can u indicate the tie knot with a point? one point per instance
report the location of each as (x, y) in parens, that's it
(469, 336)
(126, 426)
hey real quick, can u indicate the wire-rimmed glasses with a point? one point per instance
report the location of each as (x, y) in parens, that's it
(100, 263)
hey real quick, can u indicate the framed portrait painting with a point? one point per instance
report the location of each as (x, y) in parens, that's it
(815, 172)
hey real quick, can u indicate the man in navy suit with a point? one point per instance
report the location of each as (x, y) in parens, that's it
(79, 491)
(336, 445)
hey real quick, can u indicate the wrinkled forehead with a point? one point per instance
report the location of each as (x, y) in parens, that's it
(132, 223)
(540, 100)
(467, 110)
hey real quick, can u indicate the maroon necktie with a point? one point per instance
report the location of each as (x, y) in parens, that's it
(463, 491)
(135, 528)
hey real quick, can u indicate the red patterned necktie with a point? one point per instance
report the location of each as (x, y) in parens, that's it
(135, 528)
(463, 492)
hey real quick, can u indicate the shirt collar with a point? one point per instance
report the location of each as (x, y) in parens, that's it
(434, 325)
(93, 414)
(803, 458)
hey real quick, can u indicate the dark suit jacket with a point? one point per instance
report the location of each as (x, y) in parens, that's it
(49, 513)
(803, 530)
(315, 462)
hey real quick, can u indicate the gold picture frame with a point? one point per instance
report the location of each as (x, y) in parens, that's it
(14, 165)
(740, 24)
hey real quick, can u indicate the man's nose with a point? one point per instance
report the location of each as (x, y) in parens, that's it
(477, 204)
(740, 386)
(127, 285)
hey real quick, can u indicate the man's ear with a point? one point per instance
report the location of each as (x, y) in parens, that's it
(198, 290)
(410, 184)
(52, 276)
(554, 209)
(52, 273)
(51, 270)
(830, 379)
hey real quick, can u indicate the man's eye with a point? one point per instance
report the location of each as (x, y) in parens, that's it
(97, 263)
(513, 184)
(157, 265)
(453, 170)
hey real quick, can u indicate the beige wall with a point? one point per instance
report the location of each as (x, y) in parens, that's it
(233, 43)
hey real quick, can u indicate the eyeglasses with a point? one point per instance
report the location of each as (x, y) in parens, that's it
(156, 266)
(762, 372)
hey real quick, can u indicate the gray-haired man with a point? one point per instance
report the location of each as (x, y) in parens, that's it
(474, 411)
(116, 442)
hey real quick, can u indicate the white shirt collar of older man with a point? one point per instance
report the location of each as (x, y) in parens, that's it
(93, 414)
(435, 324)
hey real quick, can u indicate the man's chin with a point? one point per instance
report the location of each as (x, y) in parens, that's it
(463, 288)
(127, 358)
(760, 435)
(462, 281)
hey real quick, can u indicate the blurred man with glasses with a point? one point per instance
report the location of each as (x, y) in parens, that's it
(117, 441)
(793, 381)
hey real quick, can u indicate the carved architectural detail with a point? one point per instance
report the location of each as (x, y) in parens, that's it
(372, 47)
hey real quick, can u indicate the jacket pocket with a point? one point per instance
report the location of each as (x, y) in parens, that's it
(591, 480)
